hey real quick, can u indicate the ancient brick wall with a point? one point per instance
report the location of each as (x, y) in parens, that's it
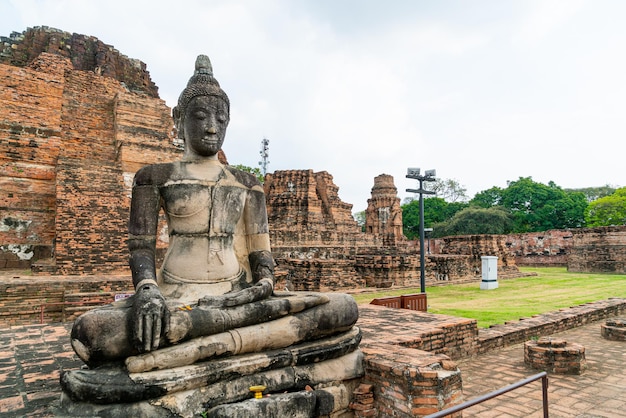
(410, 383)
(92, 218)
(85, 53)
(143, 131)
(60, 126)
(49, 299)
(321, 275)
(540, 249)
(87, 116)
(476, 246)
(396, 261)
(306, 200)
(449, 267)
(317, 243)
(598, 250)
(385, 267)
(313, 234)
(514, 332)
(30, 141)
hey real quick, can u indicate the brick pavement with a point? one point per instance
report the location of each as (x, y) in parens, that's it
(31, 357)
(600, 391)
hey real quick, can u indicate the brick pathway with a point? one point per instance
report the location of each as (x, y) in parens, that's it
(31, 357)
(599, 392)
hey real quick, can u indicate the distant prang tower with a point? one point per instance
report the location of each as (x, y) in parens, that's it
(384, 215)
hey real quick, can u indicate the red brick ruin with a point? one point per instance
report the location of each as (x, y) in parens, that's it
(79, 119)
(317, 243)
(74, 131)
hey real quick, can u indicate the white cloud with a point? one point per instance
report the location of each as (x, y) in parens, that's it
(544, 18)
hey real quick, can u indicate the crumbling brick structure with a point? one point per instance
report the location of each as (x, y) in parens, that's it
(78, 119)
(541, 249)
(383, 214)
(598, 250)
(472, 248)
(318, 244)
(313, 234)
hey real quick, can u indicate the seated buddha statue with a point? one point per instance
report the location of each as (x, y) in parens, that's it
(208, 322)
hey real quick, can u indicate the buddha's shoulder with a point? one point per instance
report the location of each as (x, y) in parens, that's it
(246, 179)
(155, 174)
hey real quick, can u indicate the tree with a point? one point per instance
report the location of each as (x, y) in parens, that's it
(436, 210)
(539, 207)
(608, 210)
(594, 193)
(487, 198)
(256, 171)
(360, 217)
(476, 220)
(448, 189)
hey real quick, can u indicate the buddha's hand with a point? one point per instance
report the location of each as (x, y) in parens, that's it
(261, 290)
(149, 318)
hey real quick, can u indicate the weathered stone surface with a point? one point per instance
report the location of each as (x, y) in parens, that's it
(541, 249)
(332, 401)
(212, 298)
(476, 246)
(614, 329)
(317, 243)
(86, 53)
(598, 250)
(555, 355)
(114, 384)
(383, 213)
(190, 403)
(65, 126)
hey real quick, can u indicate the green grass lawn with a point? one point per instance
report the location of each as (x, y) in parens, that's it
(553, 288)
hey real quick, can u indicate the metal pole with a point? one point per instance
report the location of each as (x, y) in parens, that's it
(429, 175)
(544, 392)
(422, 258)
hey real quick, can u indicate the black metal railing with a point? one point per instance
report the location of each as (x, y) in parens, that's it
(544, 387)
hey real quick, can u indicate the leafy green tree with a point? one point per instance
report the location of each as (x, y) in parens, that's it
(476, 220)
(608, 210)
(411, 218)
(487, 198)
(449, 190)
(539, 207)
(594, 193)
(436, 210)
(256, 171)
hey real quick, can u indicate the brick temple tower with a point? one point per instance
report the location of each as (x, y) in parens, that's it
(384, 215)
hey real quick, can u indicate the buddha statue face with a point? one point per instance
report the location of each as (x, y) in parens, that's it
(204, 125)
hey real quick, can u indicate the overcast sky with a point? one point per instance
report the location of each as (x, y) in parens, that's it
(483, 91)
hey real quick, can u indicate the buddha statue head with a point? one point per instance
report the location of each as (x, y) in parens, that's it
(203, 112)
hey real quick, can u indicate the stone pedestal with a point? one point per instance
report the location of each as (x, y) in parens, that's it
(614, 329)
(555, 355)
(490, 272)
(221, 388)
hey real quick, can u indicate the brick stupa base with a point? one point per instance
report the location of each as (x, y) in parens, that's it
(555, 355)
(614, 329)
